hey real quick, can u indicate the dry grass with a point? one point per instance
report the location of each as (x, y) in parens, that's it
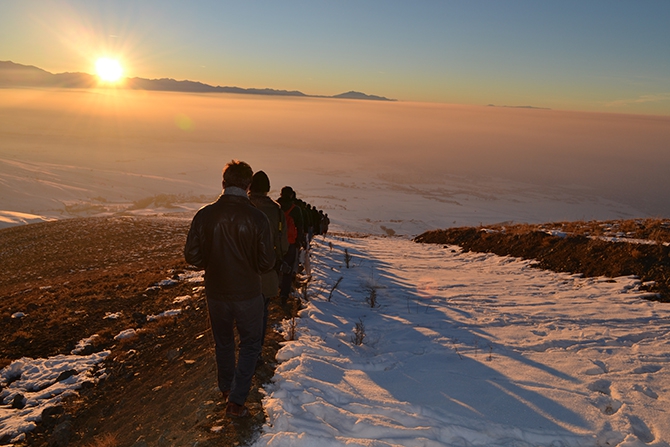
(106, 440)
(652, 229)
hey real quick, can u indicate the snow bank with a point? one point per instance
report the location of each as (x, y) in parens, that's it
(468, 349)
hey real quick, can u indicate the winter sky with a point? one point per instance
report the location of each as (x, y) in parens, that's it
(599, 55)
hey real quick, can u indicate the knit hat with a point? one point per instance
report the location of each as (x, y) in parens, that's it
(287, 192)
(260, 182)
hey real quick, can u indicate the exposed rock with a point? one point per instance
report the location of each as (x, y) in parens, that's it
(62, 434)
(66, 375)
(18, 402)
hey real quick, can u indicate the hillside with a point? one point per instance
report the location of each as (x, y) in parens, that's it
(68, 276)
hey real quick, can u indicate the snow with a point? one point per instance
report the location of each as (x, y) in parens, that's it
(167, 313)
(126, 333)
(84, 343)
(166, 282)
(181, 299)
(39, 384)
(13, 218)
(467, 349)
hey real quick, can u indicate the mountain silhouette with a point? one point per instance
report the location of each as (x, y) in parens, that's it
(358, 95)
(18, 75)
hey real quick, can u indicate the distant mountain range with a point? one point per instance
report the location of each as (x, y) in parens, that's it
(521, 107)
(17, 75)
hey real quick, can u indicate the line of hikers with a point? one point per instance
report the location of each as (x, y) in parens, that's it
(250, 247)
(294, 223)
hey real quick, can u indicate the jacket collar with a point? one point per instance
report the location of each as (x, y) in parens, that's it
(234, 191)
(233, 198)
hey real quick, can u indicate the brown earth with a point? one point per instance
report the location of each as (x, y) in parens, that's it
(160, 386)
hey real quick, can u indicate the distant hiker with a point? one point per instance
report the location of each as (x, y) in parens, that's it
(258, 194)
(325, 221)
(306, 220)
(316, 217)
(294, 228)
(232, 240)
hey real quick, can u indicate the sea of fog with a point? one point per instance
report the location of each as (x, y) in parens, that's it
(374, 167)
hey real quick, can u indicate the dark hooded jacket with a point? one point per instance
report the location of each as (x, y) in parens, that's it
(232, 240)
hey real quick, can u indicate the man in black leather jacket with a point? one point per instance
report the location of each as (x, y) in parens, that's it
(232, 240)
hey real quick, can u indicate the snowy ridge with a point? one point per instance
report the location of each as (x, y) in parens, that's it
(467, 349)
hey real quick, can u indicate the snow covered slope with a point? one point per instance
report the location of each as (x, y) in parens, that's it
(467, 349)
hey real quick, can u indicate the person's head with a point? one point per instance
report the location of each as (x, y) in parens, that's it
(260, 183)
(237, 173)
(287, 193)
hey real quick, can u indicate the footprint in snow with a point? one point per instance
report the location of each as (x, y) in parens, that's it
(600, 386)
(646, 391)
(647, 369)
(599, 368)
(606, 405)
(641, 430)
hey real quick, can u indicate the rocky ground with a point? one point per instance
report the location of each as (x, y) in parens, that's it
(160, 390)
(160, 387)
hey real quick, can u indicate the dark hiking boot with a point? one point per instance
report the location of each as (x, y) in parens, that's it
(260, 362)
(236, 411)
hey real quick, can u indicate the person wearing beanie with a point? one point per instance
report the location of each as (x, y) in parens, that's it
(295, 233)
(258, 194)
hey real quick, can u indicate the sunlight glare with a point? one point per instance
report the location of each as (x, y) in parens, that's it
(109, 70)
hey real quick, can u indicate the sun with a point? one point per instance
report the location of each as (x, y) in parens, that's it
(109, 70)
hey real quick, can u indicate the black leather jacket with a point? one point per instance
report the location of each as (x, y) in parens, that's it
(231, 239)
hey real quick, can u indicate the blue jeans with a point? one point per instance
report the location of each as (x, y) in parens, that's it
(247, 316)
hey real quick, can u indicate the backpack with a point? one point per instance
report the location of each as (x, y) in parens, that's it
(291, 229)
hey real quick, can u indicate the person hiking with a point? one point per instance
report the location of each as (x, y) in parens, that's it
(258, 194)
(295, 232)
(232, 240)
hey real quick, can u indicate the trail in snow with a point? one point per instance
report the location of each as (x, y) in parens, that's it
(468, 349)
